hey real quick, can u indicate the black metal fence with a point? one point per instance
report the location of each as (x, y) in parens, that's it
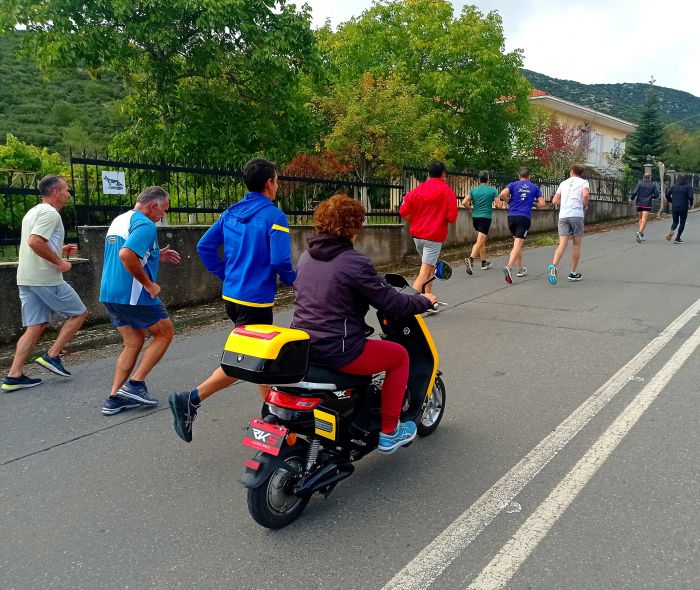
(102, 188)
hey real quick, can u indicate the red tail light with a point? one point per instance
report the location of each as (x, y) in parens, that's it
(291, 402)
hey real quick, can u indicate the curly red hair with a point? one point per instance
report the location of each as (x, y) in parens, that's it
(339, 216)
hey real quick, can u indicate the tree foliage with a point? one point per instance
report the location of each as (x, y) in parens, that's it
(558, 147)
(648, 139)
(457, 65)
(213, 80)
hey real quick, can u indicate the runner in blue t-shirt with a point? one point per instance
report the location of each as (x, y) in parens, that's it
(129, 293)
(521, 196)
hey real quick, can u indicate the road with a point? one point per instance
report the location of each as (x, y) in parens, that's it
(567, 458)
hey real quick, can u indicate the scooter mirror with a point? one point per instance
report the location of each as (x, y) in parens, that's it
(443, 271)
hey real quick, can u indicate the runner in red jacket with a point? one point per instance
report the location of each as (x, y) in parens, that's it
(428, 209)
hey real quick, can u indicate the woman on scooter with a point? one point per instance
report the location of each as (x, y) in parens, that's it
(334, 288)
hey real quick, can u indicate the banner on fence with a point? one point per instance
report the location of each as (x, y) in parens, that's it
(113, 183)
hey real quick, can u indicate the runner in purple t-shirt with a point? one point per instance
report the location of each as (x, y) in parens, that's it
(521, 196)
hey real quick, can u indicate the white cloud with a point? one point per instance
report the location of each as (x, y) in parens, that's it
(592, 42)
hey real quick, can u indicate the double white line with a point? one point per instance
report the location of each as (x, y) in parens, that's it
(429, 564)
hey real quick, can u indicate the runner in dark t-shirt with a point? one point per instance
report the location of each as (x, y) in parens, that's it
(521, 195)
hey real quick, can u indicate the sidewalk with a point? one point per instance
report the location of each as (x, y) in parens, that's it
(100, 335)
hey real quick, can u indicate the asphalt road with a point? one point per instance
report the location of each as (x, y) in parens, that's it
(567, 458)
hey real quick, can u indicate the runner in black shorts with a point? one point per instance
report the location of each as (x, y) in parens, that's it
(245, 315)
(521, 197)
(481, 200)
(257, 249)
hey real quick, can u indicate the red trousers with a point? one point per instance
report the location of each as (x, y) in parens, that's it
(378, 356)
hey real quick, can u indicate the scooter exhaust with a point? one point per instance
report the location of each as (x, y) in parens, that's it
(326, 476)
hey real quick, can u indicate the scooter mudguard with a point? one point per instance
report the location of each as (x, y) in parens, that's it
(254, 477)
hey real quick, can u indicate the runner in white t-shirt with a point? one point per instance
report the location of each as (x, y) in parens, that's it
(572, 196)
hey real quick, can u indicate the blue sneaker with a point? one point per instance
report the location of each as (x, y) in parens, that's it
(137, 393)
(53, 364)
(552, 274)
(21, 382)
(115, 404)
(404, 434)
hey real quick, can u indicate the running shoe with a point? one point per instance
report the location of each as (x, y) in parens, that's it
(469, 263)
(552, 274)
(405, 432)
(678, 241)
(21, 382)
(53, 364)
(509, 277)
(522, 272)
(184, 413)
(485, 264)
(575, 276)
(644, 239)
(137, 393)
(669, 235)
(115, 404)
(638, 237)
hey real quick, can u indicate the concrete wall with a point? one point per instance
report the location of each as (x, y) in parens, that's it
(190, 284)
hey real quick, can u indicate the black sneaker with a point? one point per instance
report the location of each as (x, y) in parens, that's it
(575, 276)
(21, 382)
(115, 404)
(137, 393)
(678, 241)
(53, 364)
(485, 264)
(469, 263)
(184, 413)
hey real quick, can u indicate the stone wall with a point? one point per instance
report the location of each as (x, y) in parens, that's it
(190, 284)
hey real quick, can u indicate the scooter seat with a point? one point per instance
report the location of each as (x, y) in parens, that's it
(324, 375)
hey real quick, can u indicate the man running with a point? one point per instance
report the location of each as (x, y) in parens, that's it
(129, 292)
(428, 208)
(645, 192)
(572, 195)
(481, 200)
(521, 196)
(253, 236)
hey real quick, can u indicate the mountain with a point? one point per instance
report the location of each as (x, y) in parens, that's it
(622, 100)
(67, 109)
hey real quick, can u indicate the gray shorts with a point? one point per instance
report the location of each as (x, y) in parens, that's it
(38, 303)
(428, 251)
(571, 226)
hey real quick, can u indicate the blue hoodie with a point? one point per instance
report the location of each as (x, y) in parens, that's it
(257, 248)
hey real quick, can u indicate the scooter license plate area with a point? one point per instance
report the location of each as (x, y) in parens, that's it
(265, 437)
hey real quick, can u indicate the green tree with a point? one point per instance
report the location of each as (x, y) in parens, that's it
(207, 80)
(683, 152)
(458, 64)
(380, 125)
(648, 139)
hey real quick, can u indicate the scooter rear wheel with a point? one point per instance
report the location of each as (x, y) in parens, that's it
(434, 409)
(273, 504)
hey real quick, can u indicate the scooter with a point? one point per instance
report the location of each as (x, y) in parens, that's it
(316, 422)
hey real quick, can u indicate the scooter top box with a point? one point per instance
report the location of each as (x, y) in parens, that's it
(266, 354)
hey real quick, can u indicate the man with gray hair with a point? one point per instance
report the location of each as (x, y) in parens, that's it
(42, 289)
(129, 293)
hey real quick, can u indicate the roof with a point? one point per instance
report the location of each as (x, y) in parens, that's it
(586, 113)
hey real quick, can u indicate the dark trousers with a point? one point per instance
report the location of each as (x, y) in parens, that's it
(679, 217)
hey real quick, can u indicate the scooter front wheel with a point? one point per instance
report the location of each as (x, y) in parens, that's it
(273, 504)
(434, 409)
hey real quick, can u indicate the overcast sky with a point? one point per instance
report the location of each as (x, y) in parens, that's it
(595, 41)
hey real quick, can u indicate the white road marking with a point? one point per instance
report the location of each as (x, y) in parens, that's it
(429, 564)
(514, 553)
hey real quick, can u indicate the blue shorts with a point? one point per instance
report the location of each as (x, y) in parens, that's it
(135, 316)
(39, 303)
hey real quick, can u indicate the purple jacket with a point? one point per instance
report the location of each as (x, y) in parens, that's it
(334, 288)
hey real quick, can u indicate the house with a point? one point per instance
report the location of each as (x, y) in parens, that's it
(603, 134)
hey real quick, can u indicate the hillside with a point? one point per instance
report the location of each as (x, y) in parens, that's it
(622, 100)
(67, 110)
